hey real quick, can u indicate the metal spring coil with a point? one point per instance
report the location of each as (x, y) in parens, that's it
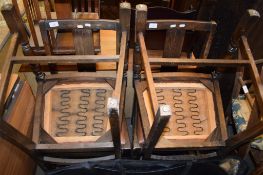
(99, 112)
(160, 98)
(81, 122)
(63, 120)
(195, 112)
(179, 112)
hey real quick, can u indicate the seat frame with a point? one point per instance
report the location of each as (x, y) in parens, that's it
(42, 148)
(146, 79)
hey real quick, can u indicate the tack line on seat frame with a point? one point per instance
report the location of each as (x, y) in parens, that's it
(160, 121)
(32, 147)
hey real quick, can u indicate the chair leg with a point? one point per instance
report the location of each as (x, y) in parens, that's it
(113, 111)
(163, 115)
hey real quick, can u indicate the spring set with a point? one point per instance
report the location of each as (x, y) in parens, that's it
(195, 114)
(81, 122)
(99, 114)
(179, 112)
(160, 98)
(63, 119)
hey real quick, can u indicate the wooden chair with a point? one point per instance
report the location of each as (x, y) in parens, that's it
(159, 12)
(244, 86)
(176, 32)
(80, 9)
(180, 114)
(78, 116)
(84, 40)
(84, 9)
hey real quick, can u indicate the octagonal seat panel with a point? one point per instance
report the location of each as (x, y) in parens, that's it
(77, 112)
(194, 113)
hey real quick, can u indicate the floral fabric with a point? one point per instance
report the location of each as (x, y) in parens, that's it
(241, 112)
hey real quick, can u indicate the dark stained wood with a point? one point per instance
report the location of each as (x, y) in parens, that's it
(156, 131)
(101, 24)
(75, 147)
(179, 75)
(13, 160)
(220, 112)
(83, 41)
(249, 18)
(7, 131)
(38, 114)
(256, 128)
(140, 24)
(206, 48)
(255, 76)
(7, 71)
(219, 137)
(206, 9)
(119, 77)
(244, 137)
(46, 39)
(125, 13)
(253, 119)
(35, 5)
(185, 24)
(14, 21)
(11, 15)
(139, 89)
(44, 144)
(115, 131)
(31, 21)
(198, 62)
(148, 73)
(248, 96)
(84, 75)
(63, 9)
(173, 43)
(97, 6)
(65, 59)
(48, 14)
(45, 137)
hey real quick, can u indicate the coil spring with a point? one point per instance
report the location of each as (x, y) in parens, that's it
(195, 112)
(63, 120)
(81, 122)
(160, 98)
(99, 112)
(179, 112)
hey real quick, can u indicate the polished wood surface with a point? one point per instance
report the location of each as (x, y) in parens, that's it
(13, 160)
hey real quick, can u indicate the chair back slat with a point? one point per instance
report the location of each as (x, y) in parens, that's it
(89, 6)
(83, 39)
(173, 43)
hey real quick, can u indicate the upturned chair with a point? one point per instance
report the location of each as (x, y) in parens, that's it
(78, 116)
(180, 115)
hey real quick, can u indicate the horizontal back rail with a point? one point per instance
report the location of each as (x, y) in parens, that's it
(101, 24)
(64, 59)
(198, 62)
(166, 24)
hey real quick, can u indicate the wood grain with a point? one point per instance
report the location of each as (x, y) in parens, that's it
(13, 160)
